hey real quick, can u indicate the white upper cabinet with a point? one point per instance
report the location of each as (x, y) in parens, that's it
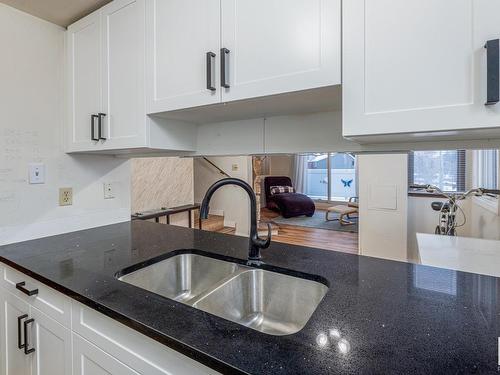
(107, 86)
(123, 51)
(84, 82)
(106, 78)
(279, 46)
(183, 39)
(417, 66)
(203, 52)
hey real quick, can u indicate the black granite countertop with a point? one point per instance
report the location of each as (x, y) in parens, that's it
(378, 317)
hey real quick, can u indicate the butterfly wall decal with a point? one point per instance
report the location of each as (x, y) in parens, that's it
(347, 183)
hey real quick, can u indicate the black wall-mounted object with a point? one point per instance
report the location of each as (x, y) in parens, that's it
(210, 71)
(92, 128)
(224, 65)
(22, 287)
(493, 72)
(100, 116)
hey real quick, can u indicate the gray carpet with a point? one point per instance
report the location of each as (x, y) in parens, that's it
(318, 221)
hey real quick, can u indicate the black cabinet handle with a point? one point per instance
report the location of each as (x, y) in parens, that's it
(92, 127)
(26, 344)
(493, 72)
(210, 71)
(20, 345)
(21, 286)
(99, 126)
(224, 65)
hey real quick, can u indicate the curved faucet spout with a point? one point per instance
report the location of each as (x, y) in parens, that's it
(255, 243)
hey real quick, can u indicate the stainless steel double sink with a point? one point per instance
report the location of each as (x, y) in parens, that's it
(270, 302)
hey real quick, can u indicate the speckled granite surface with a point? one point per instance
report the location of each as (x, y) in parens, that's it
(378, 317)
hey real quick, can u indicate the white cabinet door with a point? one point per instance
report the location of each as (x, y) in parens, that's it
(13, 314)
(123, 52)
(279, 46)
(88, 359)
(84, 82)
(180, 33)
(52, 344)
(417, 66)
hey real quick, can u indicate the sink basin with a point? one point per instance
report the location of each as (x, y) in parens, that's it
(267, 301)
(182, 277)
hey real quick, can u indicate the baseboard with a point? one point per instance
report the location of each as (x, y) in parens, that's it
(229, 223)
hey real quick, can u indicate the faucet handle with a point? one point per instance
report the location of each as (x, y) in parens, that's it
(264, 244)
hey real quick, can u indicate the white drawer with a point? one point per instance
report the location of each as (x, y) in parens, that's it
(137, 351)
(56, 305)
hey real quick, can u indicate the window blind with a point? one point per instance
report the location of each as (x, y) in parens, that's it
(486, 169)
(444, 168)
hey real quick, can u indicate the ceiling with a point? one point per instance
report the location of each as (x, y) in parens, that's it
(60, 12)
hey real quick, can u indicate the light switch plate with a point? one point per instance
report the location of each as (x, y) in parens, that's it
(36, 173)
(65, 196)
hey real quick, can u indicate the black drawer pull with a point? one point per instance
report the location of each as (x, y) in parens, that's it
(21, 286)
(224, 68)
(20, 345)
(210, 71)
(492, 72)
(26, 344)
(92, 128)
(99, 125)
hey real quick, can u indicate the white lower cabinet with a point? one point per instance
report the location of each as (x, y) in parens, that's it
(70, 338)
(52, 344)
(88, 359)
(12, 358)
(31, 342)
(134, 350)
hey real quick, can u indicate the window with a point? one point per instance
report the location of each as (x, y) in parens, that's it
(444, 169)
(316, 176)
(330, 176)
(485, 175)
(486, 169)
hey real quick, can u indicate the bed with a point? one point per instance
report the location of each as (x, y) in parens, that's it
(287, 204)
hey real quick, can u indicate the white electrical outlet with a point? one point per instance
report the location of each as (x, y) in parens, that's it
(109, 190)
(36, 173)
(65, 196)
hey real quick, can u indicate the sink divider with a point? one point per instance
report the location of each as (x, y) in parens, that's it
(238, 271)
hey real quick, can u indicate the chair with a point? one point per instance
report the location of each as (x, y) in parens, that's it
(288, 204)
(343, 211)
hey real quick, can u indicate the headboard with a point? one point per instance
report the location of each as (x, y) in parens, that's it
(275, 181)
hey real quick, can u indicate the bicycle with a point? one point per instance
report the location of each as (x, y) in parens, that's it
(447, 223)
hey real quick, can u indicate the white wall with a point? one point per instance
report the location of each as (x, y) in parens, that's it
(31, 130)
(313, 132)
(383, 205)
(280, 165)
(231, 200)
(483, 222)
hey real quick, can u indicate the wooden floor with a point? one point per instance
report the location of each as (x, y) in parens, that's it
(321, 238)
(325, 239)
